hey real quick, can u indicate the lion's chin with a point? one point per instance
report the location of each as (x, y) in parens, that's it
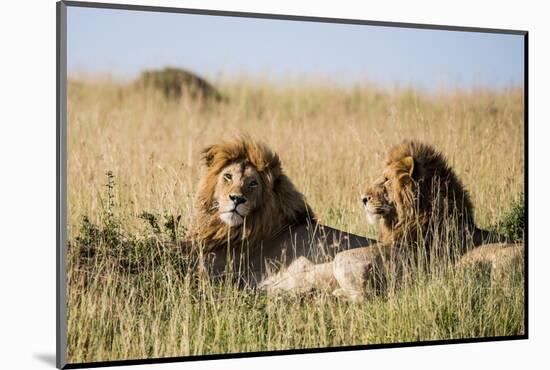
(373, 218)
(231, 218)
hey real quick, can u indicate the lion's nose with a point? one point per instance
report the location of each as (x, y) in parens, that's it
(237, 199)
(366, 199)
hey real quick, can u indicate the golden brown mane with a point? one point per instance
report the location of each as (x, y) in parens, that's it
(422, 207)
(281, 204)
(429, 198)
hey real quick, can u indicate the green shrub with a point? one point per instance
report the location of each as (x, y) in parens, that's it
(513, 224)
(105, 242)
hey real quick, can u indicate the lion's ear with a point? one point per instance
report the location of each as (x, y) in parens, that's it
(408, 163)
(207, 155)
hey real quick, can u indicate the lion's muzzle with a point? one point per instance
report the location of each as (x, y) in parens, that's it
(374, 209)
(234, 210)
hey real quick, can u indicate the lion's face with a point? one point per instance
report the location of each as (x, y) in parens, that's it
(386, 196)
(376, 202)
(243, 194)
(237, 193)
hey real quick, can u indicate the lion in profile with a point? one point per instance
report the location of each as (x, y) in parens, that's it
(423, 211)
(419, 198)
(250, 220)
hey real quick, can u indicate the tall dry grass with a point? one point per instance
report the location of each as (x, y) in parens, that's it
(332, 141)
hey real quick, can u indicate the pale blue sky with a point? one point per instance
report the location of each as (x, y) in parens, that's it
(123, 42)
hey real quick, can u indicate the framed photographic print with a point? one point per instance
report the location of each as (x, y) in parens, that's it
(235, 184)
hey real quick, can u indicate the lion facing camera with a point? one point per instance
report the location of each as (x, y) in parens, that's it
(250, 220)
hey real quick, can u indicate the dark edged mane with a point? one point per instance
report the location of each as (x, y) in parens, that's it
(434, 196)
(281, 203)
(434, 178)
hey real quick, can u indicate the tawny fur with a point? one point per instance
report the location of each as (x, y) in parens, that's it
(281, 203)
(422, 197)
(429, 201)
(279, 230)
(422, 206)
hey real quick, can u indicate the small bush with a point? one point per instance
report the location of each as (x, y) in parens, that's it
(105, 243)
(174, 82)
(513, 224)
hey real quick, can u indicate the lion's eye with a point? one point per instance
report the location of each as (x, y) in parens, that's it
(253, 184)
(227, 177)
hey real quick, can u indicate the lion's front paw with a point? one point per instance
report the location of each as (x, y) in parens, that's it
(269, 284)
(296, 278)
(353, 296)
(284, 282)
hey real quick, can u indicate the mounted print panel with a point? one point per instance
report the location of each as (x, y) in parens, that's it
(235, 184)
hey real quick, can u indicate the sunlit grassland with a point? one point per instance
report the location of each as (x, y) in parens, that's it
(331, 140)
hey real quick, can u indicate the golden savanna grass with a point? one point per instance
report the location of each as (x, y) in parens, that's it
(332, 141)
